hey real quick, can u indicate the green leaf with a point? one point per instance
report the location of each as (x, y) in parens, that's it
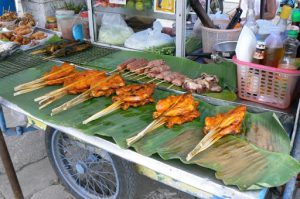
(268, 150)
(236, 161)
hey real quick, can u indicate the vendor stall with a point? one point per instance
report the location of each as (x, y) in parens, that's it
(180, 122)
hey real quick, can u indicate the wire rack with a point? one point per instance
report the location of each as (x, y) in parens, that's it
(23, 60)
(18, 62)
(88, 55)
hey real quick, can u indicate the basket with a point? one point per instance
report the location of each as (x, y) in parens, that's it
(211, 36)
(265, 84)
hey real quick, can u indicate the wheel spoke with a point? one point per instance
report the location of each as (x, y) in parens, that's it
(99, 177)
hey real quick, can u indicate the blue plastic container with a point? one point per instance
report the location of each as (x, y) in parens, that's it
(7, 5)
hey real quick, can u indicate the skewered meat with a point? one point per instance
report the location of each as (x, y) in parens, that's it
(38, 35)
(228, 123)
(177, 109)
(107, 86)
(57, 72)
(156, 62)
(159, 68)
(134, 95)
(82, 80)
(61, 80)
(218, 126)
(203, 84)
(123, 65)
(139, 63)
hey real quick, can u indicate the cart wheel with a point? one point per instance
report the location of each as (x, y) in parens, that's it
(87, 171)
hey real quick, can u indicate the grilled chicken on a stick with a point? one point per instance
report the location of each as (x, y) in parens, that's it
(218, 126)
(170, 111)
(106, 87)
(78, 83)
(103, 87)
(128, 96)
(55, 76)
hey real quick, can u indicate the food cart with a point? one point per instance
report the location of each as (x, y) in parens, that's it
(64, 133)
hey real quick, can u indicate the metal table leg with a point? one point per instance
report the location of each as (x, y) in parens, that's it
(9, 169)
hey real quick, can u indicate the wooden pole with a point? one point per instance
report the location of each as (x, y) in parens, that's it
(9, 169)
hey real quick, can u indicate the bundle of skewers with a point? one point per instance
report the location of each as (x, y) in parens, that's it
(128, 96)
(158, 70)
(62, 49)
(57, 75)
(173, 110)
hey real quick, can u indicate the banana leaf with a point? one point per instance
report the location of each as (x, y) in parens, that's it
(270, 157)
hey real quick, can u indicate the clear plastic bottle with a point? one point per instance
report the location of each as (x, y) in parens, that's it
(284, 15)
(275, 50)
(250, 17)
(290, 46)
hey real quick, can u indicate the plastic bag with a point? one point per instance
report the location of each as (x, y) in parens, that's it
(149, 38)
(114, 30)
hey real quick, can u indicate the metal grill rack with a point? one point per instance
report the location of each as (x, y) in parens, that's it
(89, 55)
(18, 62)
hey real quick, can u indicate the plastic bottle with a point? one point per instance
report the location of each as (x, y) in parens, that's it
(260, 53)
(296, 19)
(275, 50)
(284, 15)
(250, 17)
(290, 46)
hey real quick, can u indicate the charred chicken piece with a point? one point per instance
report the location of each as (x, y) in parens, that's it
(134, 95)
(82, 81)
(177, 109)
(218, 126)
(107, 86)
(57, 72)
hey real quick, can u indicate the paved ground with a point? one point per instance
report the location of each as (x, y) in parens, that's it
(38, 180)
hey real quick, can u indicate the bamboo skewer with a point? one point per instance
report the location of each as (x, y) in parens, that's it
(152, 80)
(161, 120)
(206, 142)
(79, 99)
(46, 102)
(110, 109)
(28, 90)
(151, 127)
(42, 79)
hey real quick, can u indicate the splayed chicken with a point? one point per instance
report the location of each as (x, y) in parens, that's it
(99, 87)
(128, 96)
(218, 126)
(170, 111)
(57, 75)
(107, 87)
(78, 83)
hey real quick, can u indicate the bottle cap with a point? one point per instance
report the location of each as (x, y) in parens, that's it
(296, 15)
(293, 34)
(51, 19)
(261, 45)
(286, 11)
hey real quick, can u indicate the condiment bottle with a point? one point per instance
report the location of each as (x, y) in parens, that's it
(284, 15)
(250, 17)
(275, 50)
(296, 19)
(260, 53)
(290, 46)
